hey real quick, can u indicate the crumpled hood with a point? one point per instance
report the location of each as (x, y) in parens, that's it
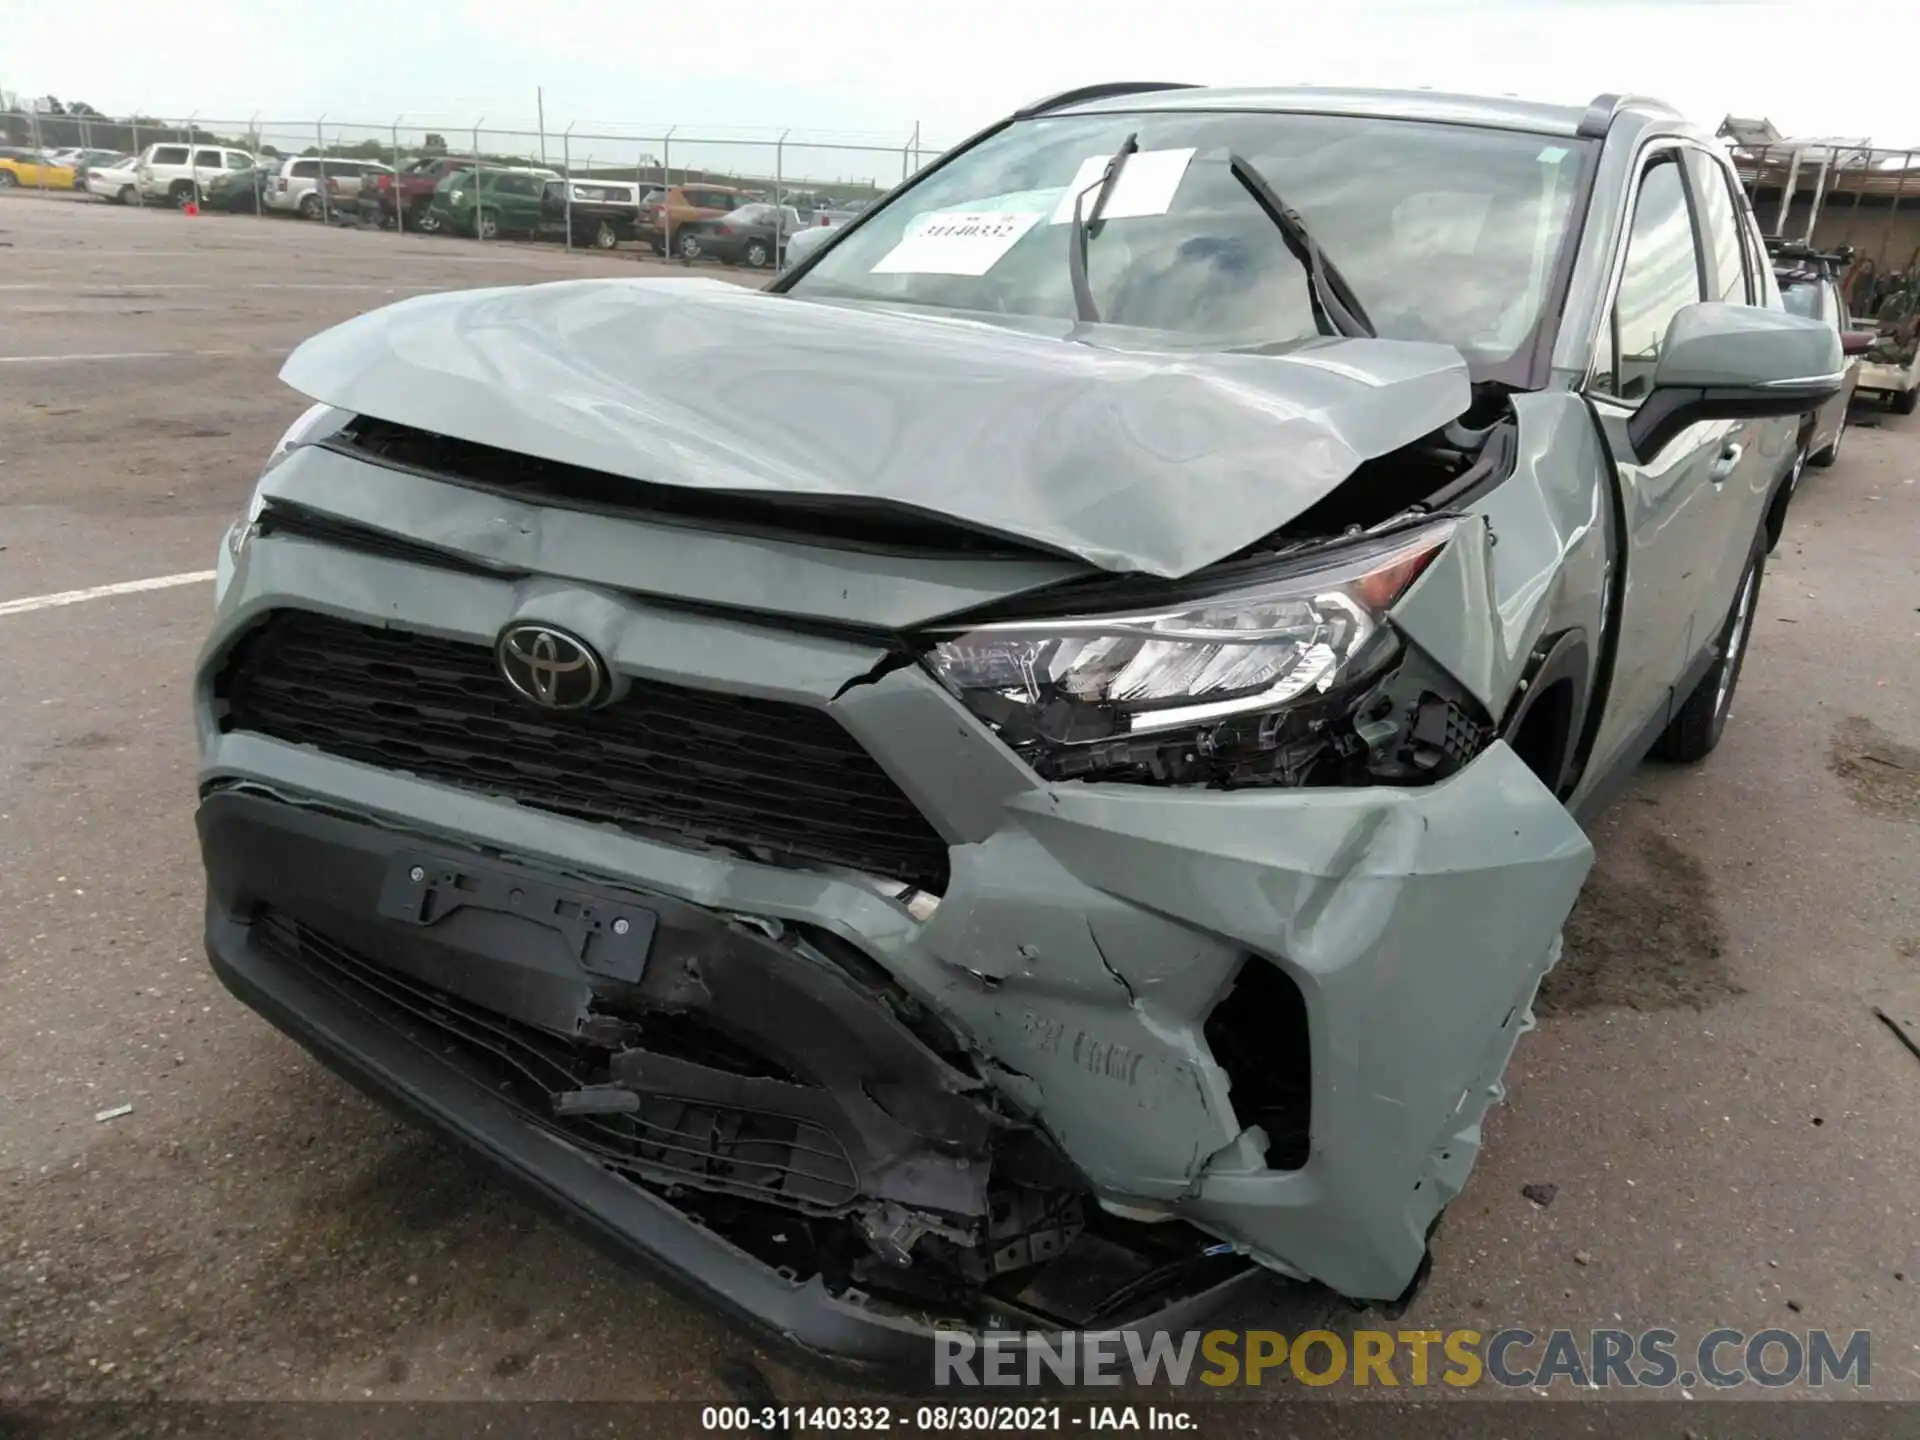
(1160, 461)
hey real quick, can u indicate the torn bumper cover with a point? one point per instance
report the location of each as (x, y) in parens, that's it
(1144, 1035)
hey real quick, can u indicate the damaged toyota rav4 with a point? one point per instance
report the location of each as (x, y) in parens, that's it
(1026, 775)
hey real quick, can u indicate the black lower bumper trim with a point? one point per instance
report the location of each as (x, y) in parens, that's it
(424, 1085)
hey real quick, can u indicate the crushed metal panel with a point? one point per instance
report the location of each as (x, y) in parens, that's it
(1537, 564)
(740, 571)
(1160, 461)
(1047, 977)
(1417, 924)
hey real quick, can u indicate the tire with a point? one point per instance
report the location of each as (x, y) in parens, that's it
(1905, 402)
(689, 247)
(1832, 451)
(8, 180)
(183, 193)
(606, 237)
(1697, 726)
(660, 248)
(486, 225)
(1776, 525)
(758, 256)
(310, 207)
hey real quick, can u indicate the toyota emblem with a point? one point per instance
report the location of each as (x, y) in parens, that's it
(551, 668)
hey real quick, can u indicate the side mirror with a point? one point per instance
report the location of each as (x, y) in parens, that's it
(1855, 342)
(1735, 362)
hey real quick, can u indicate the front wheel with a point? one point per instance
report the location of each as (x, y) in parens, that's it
(1697, 726)
(8, 179)
(606, 237)
(1906, 401)
(127, 196)
(183, 194)
(758, 254)
(689, 247)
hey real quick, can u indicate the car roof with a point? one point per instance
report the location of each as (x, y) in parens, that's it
(1501, 112)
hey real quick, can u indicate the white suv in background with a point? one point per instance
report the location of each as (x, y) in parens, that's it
(296, 187)
(179, 173)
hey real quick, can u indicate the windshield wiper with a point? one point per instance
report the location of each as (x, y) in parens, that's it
(1336, 309)
(1084, 227)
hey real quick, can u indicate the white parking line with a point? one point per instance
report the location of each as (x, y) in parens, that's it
(136, 355)
(136, 285)
(103, 592)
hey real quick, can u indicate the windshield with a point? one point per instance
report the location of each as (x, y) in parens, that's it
(1445, 232)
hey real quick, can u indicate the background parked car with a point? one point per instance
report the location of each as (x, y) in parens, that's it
(413, 187)
(238, 192)
(178, 174)
(603, 212)
(1810, 285)
(84, 162)
(492, 202)
(28, 167)
(297, 185)
(804, 244)
(682, 204)
(753, 235)
(118, 183)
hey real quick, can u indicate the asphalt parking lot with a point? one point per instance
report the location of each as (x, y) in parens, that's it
(1727, 1129)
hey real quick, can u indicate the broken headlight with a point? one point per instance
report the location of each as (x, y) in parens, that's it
(1200, 682)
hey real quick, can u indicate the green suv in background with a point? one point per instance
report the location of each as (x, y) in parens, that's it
(1025, 776)
(490, 203)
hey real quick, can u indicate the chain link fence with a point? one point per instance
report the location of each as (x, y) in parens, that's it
(784, 166)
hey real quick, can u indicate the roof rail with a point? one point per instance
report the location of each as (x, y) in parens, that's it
(1103, 91)
(1602, 110)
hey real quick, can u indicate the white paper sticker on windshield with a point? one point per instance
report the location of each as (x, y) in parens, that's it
(1145, 187)
(955, 242)
(1552, 155)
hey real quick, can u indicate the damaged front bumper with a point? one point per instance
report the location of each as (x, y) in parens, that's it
(1259, 1024)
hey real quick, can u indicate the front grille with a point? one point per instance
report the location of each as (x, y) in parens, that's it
(718, 1148)
(758, 777)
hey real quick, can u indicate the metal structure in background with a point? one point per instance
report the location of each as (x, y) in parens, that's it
(1837, 192)
(784, 165)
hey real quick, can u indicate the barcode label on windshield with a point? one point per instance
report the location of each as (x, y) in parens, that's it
(955, 242)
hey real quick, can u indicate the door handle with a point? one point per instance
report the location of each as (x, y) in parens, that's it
(1725, 465)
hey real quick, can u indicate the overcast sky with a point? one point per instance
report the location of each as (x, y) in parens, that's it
(878, 66)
